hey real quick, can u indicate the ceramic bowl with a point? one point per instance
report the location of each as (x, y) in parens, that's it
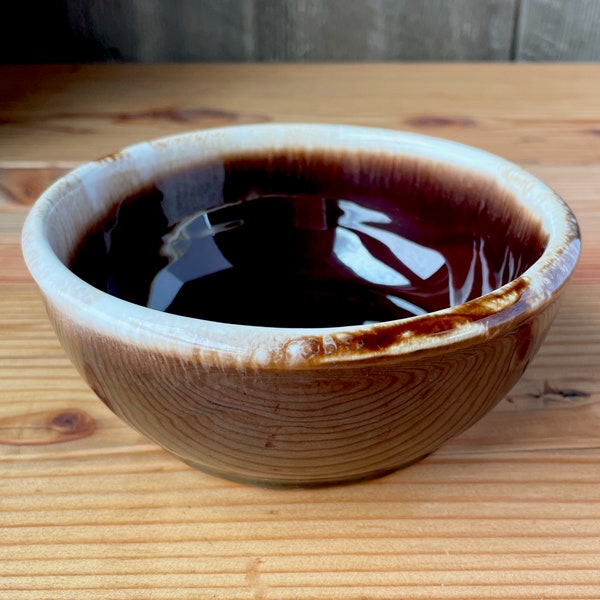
(282, 406)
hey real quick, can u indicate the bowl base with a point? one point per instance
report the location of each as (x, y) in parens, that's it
(272, 483)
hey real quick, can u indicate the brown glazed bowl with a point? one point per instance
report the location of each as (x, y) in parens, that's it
(307, 406)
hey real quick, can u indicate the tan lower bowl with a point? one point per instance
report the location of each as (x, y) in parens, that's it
(277, 406)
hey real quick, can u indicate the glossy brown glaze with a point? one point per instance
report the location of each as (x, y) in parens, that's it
(310, 240)
(306, 427)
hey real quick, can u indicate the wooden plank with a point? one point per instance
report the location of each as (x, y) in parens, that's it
(373, 30)
(80, 113)
(291, 30)
(511, 506)
(268, 30)
(155, 31)
(510, 509)
(558, 30)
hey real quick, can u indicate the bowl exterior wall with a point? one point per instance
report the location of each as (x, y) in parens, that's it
(310, 426)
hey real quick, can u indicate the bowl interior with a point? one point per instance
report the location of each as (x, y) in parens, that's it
(299, 238)
(337, 237)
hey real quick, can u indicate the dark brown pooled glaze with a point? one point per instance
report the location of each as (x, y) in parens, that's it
(305, 240)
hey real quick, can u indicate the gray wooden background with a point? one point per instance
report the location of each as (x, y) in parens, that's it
(299, 30)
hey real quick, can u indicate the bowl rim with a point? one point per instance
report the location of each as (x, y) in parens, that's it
(223, 344)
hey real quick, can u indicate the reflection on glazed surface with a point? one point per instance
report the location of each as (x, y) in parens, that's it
(305, 257)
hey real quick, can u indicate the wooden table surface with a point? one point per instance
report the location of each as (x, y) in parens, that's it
(90, 509)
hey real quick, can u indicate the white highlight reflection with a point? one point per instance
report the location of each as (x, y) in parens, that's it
(422, 261)
(348, 247)
(192, 253)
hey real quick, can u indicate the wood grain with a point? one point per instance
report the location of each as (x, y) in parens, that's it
(153, 31)
(70, 31)
(557, 30)
(382, 30)
(265, 30)
(510, 509)
(76, 113)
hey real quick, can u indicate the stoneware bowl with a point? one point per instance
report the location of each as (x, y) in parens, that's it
(299, 406)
